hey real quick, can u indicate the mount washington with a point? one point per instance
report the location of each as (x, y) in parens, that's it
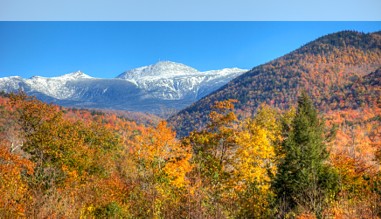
(159, 88)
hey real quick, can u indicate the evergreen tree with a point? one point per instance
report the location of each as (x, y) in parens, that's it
(304, 181)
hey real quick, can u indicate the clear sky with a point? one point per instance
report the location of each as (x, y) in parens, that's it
(106, 49)
(191, 10)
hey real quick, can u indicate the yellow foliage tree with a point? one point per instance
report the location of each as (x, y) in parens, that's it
(162, 164)
(255, 162)
(13, 187)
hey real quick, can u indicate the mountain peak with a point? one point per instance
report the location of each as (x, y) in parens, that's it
(74, 75)
(163, 69)
(167, 63)
(341, 40)
(169, 67)
(68, 76)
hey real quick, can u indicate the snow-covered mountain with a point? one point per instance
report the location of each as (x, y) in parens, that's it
(153, 88)
(174, 81)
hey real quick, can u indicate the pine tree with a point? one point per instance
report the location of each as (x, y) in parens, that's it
(304, 181)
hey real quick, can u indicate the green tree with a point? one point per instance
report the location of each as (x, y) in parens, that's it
(305, 181)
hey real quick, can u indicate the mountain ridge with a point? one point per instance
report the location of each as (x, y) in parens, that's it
(172, 85)
(322, 67)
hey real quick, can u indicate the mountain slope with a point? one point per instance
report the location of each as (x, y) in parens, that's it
(322, 67)
(160, 88)
(365, 91)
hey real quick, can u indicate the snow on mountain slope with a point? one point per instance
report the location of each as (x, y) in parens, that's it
(163, 69)
(11, 83)
(56, 87)
(153, 88)
(174, 81)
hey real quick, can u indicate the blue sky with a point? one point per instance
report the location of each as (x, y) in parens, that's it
(106, 49)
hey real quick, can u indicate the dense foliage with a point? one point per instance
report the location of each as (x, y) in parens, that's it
(62, 163)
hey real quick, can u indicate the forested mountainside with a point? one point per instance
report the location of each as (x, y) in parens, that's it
(329, 69)
(363, 92)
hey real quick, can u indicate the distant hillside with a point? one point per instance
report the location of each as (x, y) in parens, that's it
(328, 68)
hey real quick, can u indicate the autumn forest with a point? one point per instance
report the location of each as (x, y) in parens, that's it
(76, 163)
